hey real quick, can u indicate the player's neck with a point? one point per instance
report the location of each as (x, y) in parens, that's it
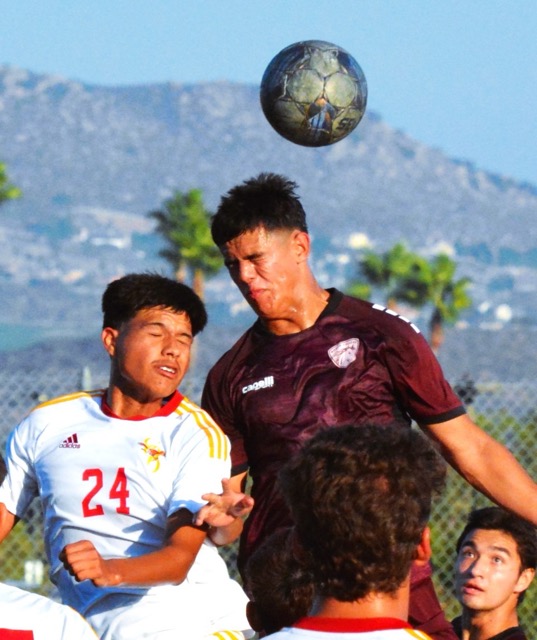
(306, 307)
(373, 606)
(481, 625)
(127, 406)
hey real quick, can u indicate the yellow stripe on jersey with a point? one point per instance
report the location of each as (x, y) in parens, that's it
(70, 396)
(228, 635)
(218, 443)
(419, 635)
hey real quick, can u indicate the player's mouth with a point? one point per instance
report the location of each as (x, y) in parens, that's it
(470, 588)
(255, 294)
(167, 370)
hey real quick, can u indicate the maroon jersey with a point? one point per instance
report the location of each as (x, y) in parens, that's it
(358, 363)
(513, 633)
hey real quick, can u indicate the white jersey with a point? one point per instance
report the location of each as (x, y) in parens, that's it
(319, 628)
(27, 613)
(115, 482)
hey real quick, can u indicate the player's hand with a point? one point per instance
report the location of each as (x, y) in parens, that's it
(222, 509)
(83, 561)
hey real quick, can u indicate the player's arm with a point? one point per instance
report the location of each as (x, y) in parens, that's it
(224, 512)
(486, 464)
(168, 565)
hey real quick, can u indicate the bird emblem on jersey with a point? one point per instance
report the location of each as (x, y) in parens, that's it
(154, 453)
(344, 353)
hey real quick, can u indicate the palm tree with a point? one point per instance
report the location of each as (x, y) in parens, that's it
(433, 282)
(408, 277)
(7, 190)
(384, 271)
(183, 222)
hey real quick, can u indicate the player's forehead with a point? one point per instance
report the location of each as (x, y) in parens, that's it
(491, 540)
(162, 315)
(254, 241)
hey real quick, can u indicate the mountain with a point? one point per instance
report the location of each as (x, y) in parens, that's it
(92, 161)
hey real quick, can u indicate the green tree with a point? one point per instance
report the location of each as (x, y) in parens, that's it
(8, 191)
(385, 271)
(184, 223)
(407, 277)
(432, 282)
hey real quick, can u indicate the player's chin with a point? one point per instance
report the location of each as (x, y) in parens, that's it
(165, 388)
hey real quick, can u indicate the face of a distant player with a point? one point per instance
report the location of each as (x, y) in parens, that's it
(266, 267)
(488, 575)
(150, 353)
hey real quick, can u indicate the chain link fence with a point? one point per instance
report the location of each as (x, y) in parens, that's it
(507, 411)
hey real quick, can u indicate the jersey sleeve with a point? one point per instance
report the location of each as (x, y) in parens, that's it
(20, 486)
(217, 401)
(419, 382)
(203, 456)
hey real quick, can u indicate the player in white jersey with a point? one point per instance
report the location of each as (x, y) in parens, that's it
(360, 498)
(29, 616)
(121, 474)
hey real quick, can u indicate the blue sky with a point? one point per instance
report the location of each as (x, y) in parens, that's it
(459, 75)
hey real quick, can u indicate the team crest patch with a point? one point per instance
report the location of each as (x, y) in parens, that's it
(344, 353)
(154, 453)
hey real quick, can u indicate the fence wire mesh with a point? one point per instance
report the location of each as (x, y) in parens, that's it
(507, 411)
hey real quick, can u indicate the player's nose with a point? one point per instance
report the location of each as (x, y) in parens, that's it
(246, 271)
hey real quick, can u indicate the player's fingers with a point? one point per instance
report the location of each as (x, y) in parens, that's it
(211, 498)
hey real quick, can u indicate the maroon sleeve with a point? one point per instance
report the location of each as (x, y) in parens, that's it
(417, 377)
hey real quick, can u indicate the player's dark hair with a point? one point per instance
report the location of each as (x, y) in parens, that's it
(123, 298)
(361, 497)
(268, 200)
(278, 581)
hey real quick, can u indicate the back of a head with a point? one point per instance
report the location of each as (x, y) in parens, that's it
(279, 583)
(124, 297)
(498, 519)
(360, 497)
(268, 200)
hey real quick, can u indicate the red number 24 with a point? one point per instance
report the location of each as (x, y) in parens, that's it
(118, 491)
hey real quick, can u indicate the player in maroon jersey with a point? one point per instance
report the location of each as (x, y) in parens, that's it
(315, 358)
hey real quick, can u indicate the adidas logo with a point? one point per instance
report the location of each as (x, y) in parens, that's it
(268, 381)
(70, 443)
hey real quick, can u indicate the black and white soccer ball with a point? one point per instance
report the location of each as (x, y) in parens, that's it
(313, 93)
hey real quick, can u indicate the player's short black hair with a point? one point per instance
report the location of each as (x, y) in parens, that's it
(124, 297)
(279, 582)
(360, 497)
(497, 519)
(269, 200)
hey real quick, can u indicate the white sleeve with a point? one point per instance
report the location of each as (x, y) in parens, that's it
(20, 484)
(204, 462)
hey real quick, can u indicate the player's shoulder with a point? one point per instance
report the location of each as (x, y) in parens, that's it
(241, 348)
(66, 401)
(198, 422)
(375, 315)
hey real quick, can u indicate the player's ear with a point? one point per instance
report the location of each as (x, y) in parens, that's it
(524, 580)
(301, 244)
(109, 338)
(423, 550)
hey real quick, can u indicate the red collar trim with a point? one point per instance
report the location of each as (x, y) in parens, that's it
(171, 405)
(350, 624)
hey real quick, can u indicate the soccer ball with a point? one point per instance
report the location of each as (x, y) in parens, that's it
(313, 93)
